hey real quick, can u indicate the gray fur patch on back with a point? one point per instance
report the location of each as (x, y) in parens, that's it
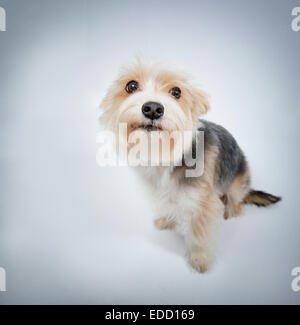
(231, 160)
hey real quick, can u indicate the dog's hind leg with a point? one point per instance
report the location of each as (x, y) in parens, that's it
(235, 194)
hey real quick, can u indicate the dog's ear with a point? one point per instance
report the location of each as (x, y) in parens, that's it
(200, 101)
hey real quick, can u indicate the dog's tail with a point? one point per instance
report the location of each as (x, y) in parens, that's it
(260, 198)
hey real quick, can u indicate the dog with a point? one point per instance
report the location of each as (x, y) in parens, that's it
(151, 97)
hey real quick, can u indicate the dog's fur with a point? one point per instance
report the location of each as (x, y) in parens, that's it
(193, 206)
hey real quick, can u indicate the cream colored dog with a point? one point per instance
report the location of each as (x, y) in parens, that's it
(149, 98)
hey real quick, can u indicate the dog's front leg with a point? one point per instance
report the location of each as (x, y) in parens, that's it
(200, 238)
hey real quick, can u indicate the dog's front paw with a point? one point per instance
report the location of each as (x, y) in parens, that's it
(162, 223)
(199, 261)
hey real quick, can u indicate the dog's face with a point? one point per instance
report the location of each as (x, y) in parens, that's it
(151, 97)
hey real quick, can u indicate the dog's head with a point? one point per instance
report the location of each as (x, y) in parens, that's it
(152, 97)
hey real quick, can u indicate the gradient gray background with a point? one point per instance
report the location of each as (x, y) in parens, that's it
(72, 232)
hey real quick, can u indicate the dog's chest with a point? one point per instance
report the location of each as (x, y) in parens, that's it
(173, 199)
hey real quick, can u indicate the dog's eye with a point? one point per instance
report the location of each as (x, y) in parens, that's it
(132, 86)
(175, 92)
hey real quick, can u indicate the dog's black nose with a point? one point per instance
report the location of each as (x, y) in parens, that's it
(153, 110)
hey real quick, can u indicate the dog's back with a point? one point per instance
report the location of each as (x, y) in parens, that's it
(232, 176)
(231, 160)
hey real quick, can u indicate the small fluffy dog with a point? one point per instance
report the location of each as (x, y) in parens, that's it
(151, 97)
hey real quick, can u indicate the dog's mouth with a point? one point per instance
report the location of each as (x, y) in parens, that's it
(149, 127)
